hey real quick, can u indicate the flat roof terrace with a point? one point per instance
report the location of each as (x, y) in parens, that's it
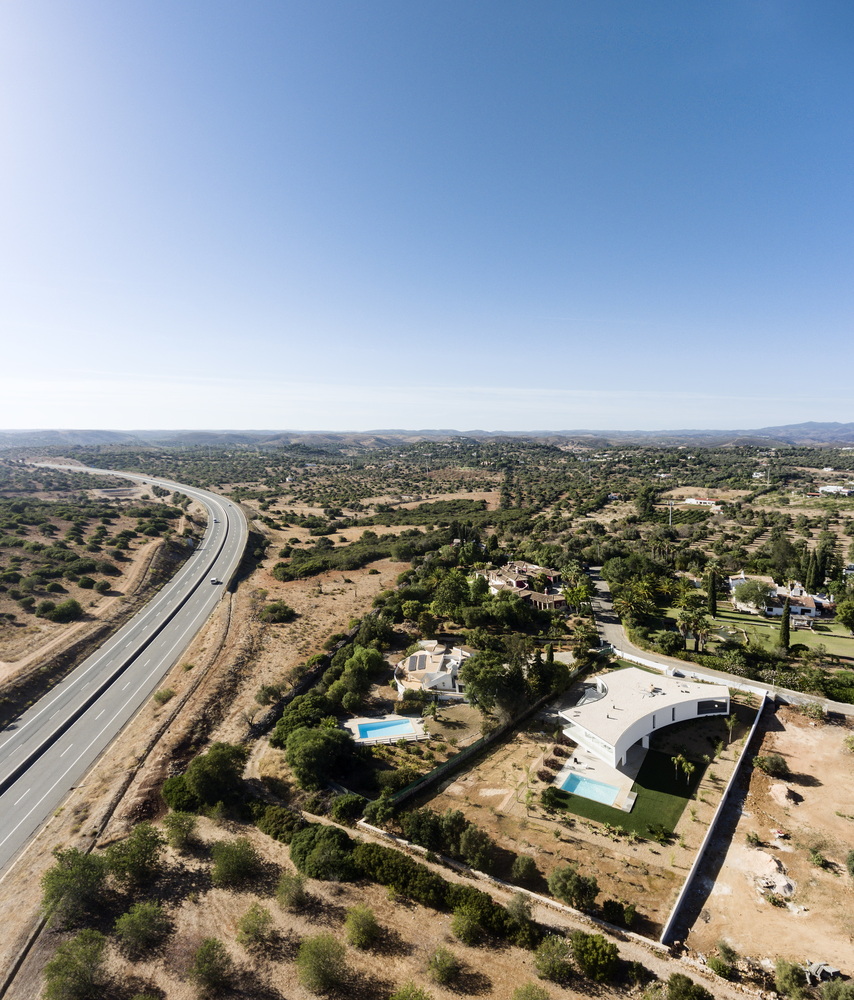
(632, 704)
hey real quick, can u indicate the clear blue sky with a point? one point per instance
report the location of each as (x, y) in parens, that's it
(460, 214)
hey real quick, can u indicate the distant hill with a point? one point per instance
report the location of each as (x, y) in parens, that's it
(806, 434)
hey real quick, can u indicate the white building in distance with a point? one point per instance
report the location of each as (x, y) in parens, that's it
(628, 705)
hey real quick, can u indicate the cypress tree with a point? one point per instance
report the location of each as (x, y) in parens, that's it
(784, 626)
(812, 574)
(712, 600)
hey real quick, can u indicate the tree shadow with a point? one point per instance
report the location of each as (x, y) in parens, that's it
(179, 881)
(471, 983)
(319, 911)
(391, 943)
(806, 780)
(363, 987)
(253, 985)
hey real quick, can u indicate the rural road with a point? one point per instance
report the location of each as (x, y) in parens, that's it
(46, 751)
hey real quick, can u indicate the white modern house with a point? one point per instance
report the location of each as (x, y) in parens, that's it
(433, 667)
(627, 706)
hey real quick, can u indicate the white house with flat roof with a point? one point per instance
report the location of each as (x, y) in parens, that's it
(627, 706)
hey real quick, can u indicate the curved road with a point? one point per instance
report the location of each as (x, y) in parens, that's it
(46, 751)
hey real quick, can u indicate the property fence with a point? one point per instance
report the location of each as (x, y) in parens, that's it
(444, 770)
(667, 933)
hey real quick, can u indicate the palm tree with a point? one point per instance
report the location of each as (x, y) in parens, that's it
(688, 768)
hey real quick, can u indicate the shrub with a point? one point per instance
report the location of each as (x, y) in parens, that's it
(681, 987)
(180, 829)
(348, 808)
(409, 991)
(280, 823)
(290, 892)
(789, 979)
(102, 587)
(76, 971)
(277, 612)
(773, 764)
(551, 959)
(727, 952)
(323, 852)
(596, 957)
(837, 990)
(320, 963)
(719, 967)
(163, 695)
(65, 611)
(530, 991)
(212, 966)
(443, 966)
(142, 928)
(361, 927)
(235, 862)
(255, 927)
(618, 913)
(849, 863)
(466, 927)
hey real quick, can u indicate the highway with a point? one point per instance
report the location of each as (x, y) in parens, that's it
(47, 751)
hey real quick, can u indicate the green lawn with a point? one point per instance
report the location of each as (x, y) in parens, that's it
(836, 639)
(661, 798)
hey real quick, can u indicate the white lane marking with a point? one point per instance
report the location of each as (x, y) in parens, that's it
(21, 799)
(65, 751)
(98, 716)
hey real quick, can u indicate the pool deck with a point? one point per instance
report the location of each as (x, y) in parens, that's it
(417, 733)
(588, 765)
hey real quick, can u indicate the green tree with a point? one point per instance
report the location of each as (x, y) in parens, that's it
(136, 859)
(712, 594)
(321, 963)
(291, 892)
(443, 966)
(255, 928)
(577, 890)
(361, 926)
(180, 829)
(142, 928)
(212, 966)
(76, 971)
(753, 593)
(597, 958)
(845, 613)
(477, 848)
(519, 909)
(315, 754)
(74, 887)
(234, 862)
(451, 595)
(524, 868)
(492, 683)
(785, 639)
(552, 959)
(211, 778)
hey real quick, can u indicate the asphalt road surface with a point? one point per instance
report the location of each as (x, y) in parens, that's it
(47, 751)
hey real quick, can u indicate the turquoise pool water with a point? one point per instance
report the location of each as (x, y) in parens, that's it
(587, 788)
(387, 727)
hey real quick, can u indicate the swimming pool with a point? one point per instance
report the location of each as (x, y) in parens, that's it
(587, 788)
(385, 728)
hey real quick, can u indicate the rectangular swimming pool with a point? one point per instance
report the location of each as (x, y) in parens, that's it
(385, 728)
(587, 788)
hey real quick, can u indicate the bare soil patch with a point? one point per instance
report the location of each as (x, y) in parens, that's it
(815, 808)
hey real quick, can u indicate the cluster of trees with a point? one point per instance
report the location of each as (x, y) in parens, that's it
(449, 833)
